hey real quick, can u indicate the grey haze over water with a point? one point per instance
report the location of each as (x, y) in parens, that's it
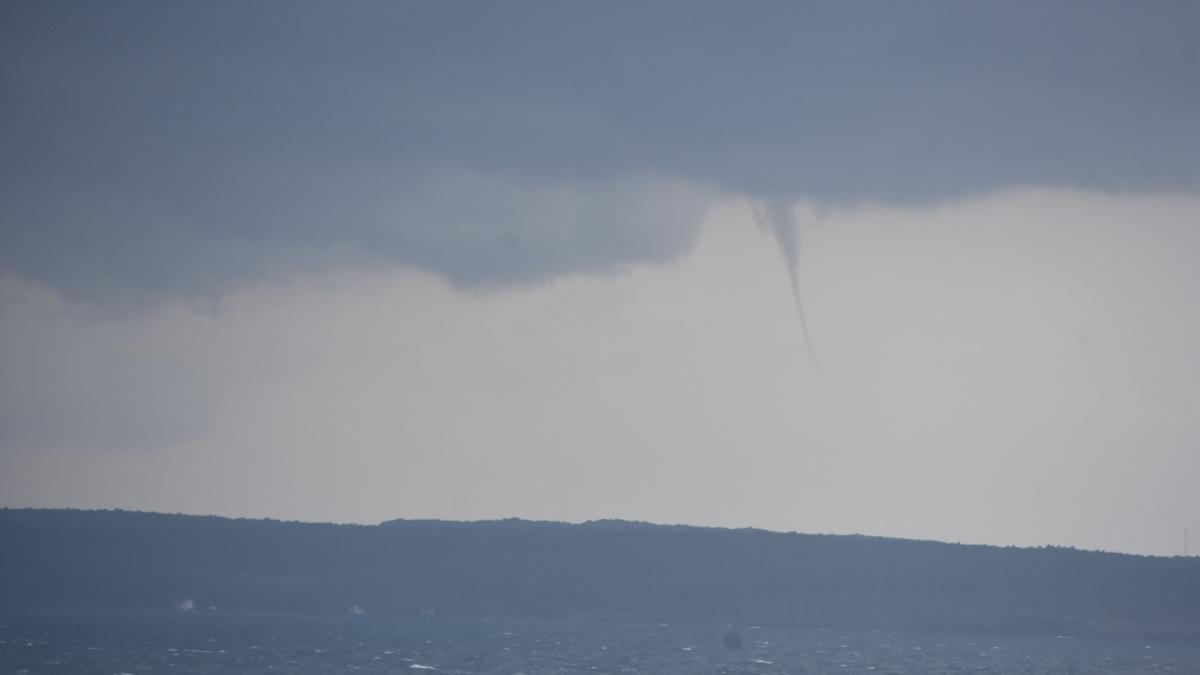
(480, 260)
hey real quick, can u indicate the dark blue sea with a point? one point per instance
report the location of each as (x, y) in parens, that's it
(108, 642)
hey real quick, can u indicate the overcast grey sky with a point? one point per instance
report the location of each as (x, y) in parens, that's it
(360, 261)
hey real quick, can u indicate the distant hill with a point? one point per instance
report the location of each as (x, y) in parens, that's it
(603, 570)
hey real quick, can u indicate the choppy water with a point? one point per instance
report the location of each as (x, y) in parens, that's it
(218, 642)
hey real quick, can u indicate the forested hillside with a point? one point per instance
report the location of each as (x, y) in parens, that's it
(605, 570)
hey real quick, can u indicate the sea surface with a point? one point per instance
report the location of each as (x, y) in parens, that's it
(210, 641)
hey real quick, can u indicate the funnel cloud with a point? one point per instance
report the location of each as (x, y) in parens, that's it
(779, 218)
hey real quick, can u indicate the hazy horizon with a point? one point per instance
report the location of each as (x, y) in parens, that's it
(588, 521)
(468, 261)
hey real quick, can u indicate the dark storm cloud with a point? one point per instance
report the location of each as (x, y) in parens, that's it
(153, 147)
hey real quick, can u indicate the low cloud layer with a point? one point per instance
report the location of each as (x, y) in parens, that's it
(163, 148)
